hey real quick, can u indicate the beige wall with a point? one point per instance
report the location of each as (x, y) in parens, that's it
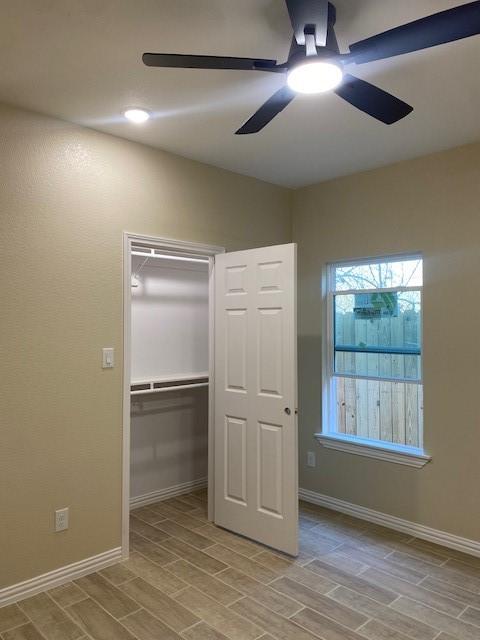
(433, 205)
(66, 195)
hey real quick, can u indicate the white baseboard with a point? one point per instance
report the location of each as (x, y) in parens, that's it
(169, 492)
(414, 529)
(76, 570)
(57, 577)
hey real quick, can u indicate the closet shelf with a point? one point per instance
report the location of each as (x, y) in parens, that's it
(160, 385)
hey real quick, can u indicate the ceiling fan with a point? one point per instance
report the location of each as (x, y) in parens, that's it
(315, 64)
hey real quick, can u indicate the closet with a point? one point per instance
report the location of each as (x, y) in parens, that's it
(225, 411)
(169, 373)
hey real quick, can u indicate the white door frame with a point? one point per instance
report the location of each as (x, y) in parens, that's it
(183, 247)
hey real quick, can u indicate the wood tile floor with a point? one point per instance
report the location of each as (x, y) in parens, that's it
(186, 579)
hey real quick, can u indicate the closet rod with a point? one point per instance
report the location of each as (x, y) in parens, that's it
(152, 254)
(172, 388)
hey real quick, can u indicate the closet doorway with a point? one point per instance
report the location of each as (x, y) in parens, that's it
(210, 384)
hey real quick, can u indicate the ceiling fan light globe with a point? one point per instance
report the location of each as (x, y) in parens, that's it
(315, 77)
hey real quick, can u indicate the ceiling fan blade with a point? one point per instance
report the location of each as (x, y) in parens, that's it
(439, 28)
(267, 111)
(181, 61)
(371, 100)
(312, 14)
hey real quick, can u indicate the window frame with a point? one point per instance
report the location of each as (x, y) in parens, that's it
(329, 437)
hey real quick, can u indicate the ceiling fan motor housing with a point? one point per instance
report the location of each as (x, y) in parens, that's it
(298, 52)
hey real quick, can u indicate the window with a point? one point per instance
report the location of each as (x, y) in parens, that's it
(373, 392)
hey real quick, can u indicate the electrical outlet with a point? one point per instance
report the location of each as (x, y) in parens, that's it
(61, 519)
(311, 462)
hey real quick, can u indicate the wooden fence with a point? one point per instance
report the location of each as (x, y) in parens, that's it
(381, 410)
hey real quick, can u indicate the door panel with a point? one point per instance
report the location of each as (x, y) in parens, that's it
(236, 350)
(270, 277)
(269, 355)
(235, 460)
(270, 472)
(236, 280)
(256, 483)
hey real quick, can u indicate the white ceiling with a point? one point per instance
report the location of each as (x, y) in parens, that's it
(80, 60)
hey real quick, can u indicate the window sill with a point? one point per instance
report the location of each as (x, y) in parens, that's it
(410, 456)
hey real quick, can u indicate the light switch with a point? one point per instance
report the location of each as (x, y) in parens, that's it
(108, 359)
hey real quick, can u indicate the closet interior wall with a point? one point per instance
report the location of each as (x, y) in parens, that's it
(169, 343)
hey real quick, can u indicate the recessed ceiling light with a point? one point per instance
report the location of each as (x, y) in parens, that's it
(137, 115)
(315, 77)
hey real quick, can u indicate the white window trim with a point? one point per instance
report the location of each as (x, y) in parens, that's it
(400, 454)
(329, 438)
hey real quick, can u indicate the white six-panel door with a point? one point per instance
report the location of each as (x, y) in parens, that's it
(256, 468)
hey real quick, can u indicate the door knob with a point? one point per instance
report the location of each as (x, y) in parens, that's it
(287, 411)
